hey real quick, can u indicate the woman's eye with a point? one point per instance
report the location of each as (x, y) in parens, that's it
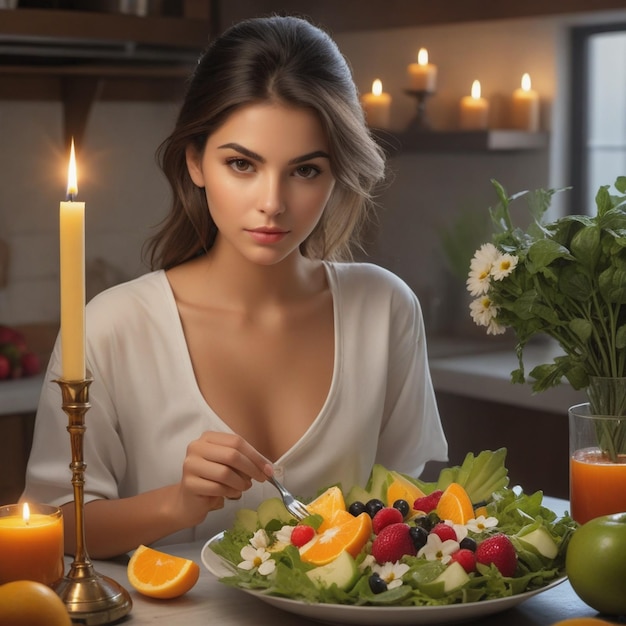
(307, 171)
(240, 165)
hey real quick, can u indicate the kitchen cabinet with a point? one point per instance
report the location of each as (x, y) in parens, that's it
(78, 56)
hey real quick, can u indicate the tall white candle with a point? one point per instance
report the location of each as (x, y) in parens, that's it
(474, 111)
(72, 248)
(525, 107)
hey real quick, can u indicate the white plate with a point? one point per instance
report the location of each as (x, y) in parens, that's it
(374, 615)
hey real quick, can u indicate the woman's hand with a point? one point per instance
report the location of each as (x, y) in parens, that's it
(217, 466)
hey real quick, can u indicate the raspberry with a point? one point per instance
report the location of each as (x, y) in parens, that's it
(392, 543)
(384, 517)
(466, 558)
(444, 531)
(500, 551)
(301, 535)
(428, 503)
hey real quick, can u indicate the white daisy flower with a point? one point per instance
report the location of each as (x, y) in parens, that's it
(480, 269)
(260, 539)
(437, 550)
(483, 311)
(493, 328)
(283, 536)
(503, 266)
(391, 573)
(257, 557)
(481, 523)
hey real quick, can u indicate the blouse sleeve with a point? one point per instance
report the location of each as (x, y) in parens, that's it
(48, 474)
(411, 432)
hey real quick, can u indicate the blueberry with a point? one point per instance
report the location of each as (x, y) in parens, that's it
(356, 508)
(419, 536)
(425, 522)
(468, 543)
(373, 506)
(377, 584)
(402, 506)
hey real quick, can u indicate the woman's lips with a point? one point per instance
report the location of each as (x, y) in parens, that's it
(267, 235)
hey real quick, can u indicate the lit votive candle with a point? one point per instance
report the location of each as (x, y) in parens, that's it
(474, 110)
(422, 75)
(376, 106)
(31, 543)
(525, 107)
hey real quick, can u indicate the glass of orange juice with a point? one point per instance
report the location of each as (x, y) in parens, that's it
(597, 463)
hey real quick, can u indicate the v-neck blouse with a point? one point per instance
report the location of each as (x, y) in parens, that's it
(146, 406)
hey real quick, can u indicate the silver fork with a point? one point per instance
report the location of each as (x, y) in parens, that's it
(295, 507)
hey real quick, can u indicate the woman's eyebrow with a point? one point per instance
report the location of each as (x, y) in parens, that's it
(257, 157)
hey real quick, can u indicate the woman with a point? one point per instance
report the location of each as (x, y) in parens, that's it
(249, 349)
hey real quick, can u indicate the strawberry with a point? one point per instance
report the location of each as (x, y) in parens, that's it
(302, 534)
(384, 517)
(392, 543)
(466, 558)
(445, 531)
(30, 364)
(428, 503)
(500, 551)
(5, 367)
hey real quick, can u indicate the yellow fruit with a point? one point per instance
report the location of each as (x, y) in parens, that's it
(455, 505)
(401, 488)
(582, 621)
(344, 533)
(29, 603)
(326, 505)
(160, 575)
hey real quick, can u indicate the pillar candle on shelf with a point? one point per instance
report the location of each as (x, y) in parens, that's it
(31, 543)
(422, 75)
(376, 106)
(72, 249)
(525, 107)
(474, 110)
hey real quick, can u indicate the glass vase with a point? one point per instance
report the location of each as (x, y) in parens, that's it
(597, 432)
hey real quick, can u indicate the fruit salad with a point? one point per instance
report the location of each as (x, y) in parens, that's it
(400, 541)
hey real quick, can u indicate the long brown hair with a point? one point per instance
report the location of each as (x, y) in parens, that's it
(284, 59)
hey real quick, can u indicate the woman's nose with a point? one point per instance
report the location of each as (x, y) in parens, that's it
(271, 200)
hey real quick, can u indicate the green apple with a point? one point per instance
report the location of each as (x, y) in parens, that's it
(595, 563)
(342, 572)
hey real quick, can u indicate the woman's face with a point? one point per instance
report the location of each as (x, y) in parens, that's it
(267, 177)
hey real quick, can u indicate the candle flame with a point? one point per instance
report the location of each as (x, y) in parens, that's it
(476, 89)
(526, 82)
(72, 179)
(377, 87)
(26, 513)
(422, 56)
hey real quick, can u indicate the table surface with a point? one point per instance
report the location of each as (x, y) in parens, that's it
(210, 602)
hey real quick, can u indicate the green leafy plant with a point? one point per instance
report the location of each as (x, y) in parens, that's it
(565, 279)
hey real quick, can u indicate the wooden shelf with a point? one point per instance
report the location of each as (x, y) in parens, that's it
(460, 141)
(90, 26)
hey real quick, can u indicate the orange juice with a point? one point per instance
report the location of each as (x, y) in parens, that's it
(597, 486)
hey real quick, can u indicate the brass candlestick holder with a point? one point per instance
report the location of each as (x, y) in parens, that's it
(420, 122)
(89, 597)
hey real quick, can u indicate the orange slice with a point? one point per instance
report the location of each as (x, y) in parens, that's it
(326, 505)
(160, 575)
(455, 505)
(403, 489)
(345, 532)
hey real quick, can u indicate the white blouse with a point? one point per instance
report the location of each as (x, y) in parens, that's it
(146, 406)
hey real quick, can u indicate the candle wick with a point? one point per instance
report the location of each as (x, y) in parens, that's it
(70, 197)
